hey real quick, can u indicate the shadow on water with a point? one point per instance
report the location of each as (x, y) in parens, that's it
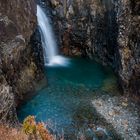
(88, 121)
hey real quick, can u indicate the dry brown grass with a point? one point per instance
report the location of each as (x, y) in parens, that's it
(7, 133)
(30, 130)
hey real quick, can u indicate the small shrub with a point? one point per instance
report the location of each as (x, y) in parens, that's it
(36, 130)
(29, 125)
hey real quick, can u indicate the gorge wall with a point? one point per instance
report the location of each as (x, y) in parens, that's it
(106, 29)
(19, 65)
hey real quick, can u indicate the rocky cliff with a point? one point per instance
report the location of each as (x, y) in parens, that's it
(19, 67)
(128, 39)
(106, 29)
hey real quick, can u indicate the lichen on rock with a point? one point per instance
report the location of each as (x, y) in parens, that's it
(18, 64)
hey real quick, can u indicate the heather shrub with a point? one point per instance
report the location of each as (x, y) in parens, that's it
(35, 130)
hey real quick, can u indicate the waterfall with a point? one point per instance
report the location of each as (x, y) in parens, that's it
(51, 56)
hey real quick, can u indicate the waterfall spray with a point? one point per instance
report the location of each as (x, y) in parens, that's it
(51, 57)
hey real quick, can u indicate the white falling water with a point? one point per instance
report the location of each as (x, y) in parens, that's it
(51, 57)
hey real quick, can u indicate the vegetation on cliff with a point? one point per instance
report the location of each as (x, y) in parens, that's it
(30, 130)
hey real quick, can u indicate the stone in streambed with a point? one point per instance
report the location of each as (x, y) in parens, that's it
(90, 134)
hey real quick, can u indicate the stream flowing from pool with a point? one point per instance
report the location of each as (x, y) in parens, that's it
(66, 101)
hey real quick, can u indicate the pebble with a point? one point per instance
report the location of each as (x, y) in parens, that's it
(121, 113)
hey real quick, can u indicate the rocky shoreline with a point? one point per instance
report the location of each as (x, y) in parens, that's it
(122, 113)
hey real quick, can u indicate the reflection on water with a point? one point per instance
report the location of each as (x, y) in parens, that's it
(66, 100)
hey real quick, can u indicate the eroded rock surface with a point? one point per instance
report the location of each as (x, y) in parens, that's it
(19, 67)
(103, 28)
(128, 18)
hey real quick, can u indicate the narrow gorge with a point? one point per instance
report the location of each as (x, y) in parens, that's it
(74, 65)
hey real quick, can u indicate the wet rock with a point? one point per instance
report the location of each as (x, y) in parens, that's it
(90, 134)
(101, 135)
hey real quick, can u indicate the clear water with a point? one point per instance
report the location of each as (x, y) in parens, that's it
(66, 99)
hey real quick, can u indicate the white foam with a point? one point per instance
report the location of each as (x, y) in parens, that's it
(51, 56)
(58, 61)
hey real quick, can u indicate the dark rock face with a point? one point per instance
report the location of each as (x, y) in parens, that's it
(19, 67)
(103, 28)
(128, 19)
